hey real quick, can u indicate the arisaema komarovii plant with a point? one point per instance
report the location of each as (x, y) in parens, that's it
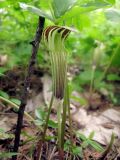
(54, 37)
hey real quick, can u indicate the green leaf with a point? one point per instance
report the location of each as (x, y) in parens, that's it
(77, 151)
(16, 101)
(2, 70)
(7, 154)
(111, 1)
(3, 4)
(91, 135)
(52, 124)
(39, 122)
(4, 94)
(37, 11)
(80, 100)
(62, 6)
(40, 113)
(95, 145)
(84, 144)
(67, 145)
(97, 4)
(4, 135)
(113, 15)
(50, 138)
(113, 77)
(81, 136)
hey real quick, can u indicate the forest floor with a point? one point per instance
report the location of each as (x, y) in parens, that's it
(100, 116)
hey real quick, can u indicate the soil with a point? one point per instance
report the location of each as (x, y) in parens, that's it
(13, 81)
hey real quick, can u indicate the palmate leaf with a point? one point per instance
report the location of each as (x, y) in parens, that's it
(36, 10)
(78, 15)
(62, 6)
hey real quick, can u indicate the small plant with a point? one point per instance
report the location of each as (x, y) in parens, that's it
(54, 37)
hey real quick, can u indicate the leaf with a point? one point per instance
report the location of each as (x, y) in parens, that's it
(91, 135)
(84, 144)
(40, 113)
(95, 145)
(113, 77)
(113, 15)
(39, 122)
(97, 4)
(80, 100)
(52, 124)
(81, 136)
(77, 151)
(16, 101)
(4, 135)
(67, 145)
(2, 70)
(62, 6)
(36, 10)
(4, 94)
(3, 4)
(111, 1)
(7, 154)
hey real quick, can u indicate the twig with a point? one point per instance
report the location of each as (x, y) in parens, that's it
(35, 46)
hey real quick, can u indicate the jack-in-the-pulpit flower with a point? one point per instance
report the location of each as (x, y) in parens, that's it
(54, 37)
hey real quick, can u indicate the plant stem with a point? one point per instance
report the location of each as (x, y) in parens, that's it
(59, 107)
(70, 120)
(65, 106)
(47, 118)
(35, 46)
(40, 142)
(92, 80)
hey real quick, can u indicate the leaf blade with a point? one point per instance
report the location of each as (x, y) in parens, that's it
(36, 11)
(62, 6)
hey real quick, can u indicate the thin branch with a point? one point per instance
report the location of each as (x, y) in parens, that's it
(35, 46)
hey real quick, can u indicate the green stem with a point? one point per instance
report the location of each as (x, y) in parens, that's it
(69, 116)
(65, 102)
(47, 118)
(59, 107)
(92, 80)
(17, 107)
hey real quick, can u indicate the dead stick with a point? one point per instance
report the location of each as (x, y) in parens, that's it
(35, 46)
